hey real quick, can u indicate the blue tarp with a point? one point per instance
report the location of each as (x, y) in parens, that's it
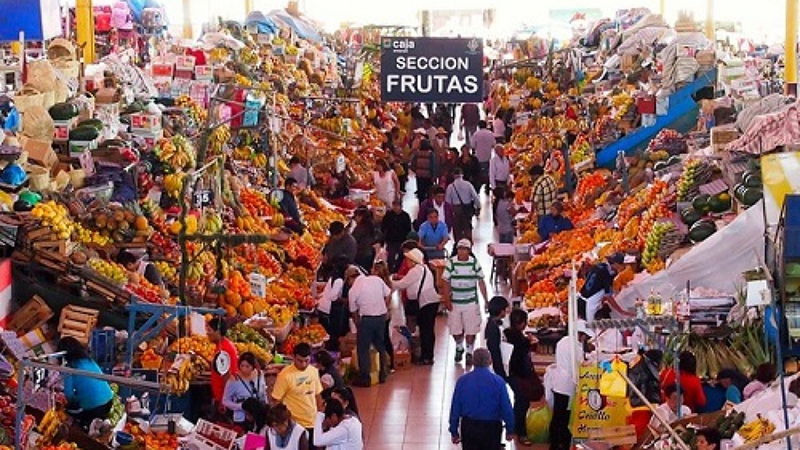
(137, 6)
(303, 29)
(264, 24)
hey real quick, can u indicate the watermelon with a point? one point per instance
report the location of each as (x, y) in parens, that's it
(63, 111)
(754, 165)
(85, 133)
(701, 230)
(751, 195)
(701, 203)
(752, 180)
(720, 203)
(96, 123)
(659, 166)
(690, 216)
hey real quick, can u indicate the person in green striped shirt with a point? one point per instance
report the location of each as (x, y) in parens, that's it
(464, 276)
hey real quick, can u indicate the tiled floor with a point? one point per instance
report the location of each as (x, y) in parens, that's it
(411, 410)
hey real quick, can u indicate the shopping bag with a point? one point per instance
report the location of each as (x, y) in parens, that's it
(612, 383)
(506, 350)
(537, 424)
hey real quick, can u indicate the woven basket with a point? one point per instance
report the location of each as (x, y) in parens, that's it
(27, 98)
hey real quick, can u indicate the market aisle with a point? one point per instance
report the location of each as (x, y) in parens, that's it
(411, 410)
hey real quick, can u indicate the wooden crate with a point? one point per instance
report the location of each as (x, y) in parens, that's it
(31, 316)
(77, 322)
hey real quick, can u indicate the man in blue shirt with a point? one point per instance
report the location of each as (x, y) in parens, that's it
(433, 235)
(481, 405)
(554, 222)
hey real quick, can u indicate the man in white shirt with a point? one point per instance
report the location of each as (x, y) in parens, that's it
(482, 142)
(344, 429)
(462, 195)
(499, 168)
(565, 381)
(668, 411)
(368, 297)
(499, 129)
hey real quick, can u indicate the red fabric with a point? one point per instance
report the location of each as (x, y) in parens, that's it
(199, 56)
(217, 380)
(693, 395)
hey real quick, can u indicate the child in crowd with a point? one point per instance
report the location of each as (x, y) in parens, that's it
(668, 411)
(284, 433)
(537, 420)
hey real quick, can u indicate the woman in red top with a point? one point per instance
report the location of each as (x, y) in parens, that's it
(693, 395)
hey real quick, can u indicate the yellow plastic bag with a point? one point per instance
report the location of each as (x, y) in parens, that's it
(612, 384)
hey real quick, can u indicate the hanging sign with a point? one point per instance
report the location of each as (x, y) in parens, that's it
(592, 410)
(431, 70)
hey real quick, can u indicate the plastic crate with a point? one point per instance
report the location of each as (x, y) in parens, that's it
(103, 348)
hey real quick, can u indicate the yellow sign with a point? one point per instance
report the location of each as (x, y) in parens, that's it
(593, 411)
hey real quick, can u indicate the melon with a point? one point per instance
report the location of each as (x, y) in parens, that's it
(690, 216)
(701, 230)
(720, 203)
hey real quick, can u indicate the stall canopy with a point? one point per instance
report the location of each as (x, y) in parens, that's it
(262, 23)
(733, 250)
(303, 29)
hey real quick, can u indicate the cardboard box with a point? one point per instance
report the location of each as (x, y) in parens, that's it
(149, 138)
(76, 148)
(402, 360)
(39, 152)
(62, 129)
(106, 95)
(142, 121)
(723, 135)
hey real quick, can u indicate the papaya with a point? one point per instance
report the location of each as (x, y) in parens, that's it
(751, 195)
(690, 216)
(701, 230)
(720, 203)
(752, 180)
(701, 203)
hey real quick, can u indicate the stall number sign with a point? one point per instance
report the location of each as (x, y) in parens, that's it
(203, 197)
(431, 70)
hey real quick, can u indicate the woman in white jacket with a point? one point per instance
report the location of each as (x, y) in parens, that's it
(420, 285)
(344, 429)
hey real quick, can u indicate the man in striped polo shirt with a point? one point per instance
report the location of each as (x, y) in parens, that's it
(464, 275)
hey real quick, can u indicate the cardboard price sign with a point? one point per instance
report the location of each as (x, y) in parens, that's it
(592, 411)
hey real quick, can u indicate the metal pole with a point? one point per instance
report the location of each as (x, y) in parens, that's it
(85, 29)
(790, 60)
(188, 32)
(710, 28)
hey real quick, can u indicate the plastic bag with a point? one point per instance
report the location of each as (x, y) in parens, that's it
(612, 384)
(537, 424)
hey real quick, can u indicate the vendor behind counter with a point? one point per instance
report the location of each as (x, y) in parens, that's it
(87, 398)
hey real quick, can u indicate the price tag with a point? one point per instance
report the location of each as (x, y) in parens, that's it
(39, 378)
(341, 164)
(258, 285)
(203, 197)
(87, 162)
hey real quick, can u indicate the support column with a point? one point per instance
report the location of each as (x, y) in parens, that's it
(188, 32)
(710, 31)
(248, 7)
(662, 8)
(790, 63)
(85, 29)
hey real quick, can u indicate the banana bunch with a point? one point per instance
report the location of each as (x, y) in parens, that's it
(168, 271)
(260, 160)
(218, 138)
(49, 426)
(249, 57)
(176, 152)
(195, 271)
(173, 183)
(756, 429)
(292, 50)
(242, 153)
(219, 55)
(180, 374)
(213, 222)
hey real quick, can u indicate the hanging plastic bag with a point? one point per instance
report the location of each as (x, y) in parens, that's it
(537, 424)
(612, 383)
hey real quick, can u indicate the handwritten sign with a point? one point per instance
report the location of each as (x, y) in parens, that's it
(593, 411)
